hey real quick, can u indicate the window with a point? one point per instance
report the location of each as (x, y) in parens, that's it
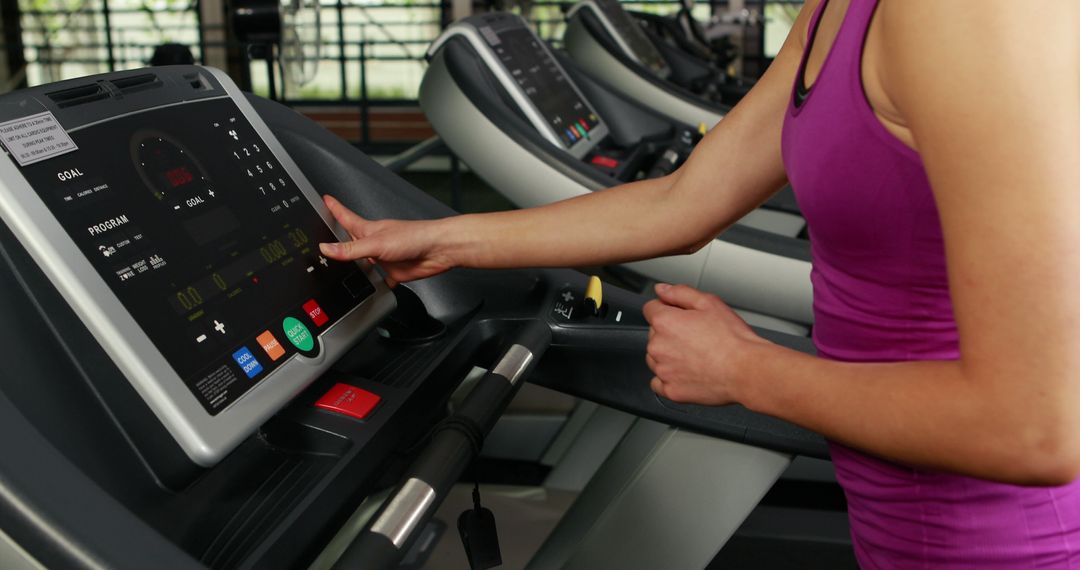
(372, 46)
(70, 38)
(779, 17)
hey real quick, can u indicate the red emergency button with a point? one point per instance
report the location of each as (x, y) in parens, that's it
(348, 400)
(605, 161)
(318, 316)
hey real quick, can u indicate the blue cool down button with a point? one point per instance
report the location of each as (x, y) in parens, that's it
(247, 362)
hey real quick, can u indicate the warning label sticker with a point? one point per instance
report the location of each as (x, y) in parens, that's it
(35, 138)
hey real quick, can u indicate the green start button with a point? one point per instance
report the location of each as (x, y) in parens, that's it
(298, 334)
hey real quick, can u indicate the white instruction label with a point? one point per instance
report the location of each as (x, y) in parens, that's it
(35, 138)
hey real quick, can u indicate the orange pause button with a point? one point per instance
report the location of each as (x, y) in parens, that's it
(270, 344)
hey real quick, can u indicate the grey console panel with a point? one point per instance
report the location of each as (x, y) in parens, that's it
(203, 436)
(478, 32)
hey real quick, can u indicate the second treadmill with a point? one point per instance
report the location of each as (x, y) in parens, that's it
(608, 42)
(539, 130)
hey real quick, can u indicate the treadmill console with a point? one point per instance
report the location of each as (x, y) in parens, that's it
(628, 35)
(527, 70)
(189, 249)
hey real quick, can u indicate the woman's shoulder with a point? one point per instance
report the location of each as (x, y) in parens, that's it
(926, 57)
(995, 39)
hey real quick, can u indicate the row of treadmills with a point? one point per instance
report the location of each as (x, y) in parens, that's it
(188, 383)
(539, 127)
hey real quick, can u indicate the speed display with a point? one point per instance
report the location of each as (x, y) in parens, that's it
(205, 239)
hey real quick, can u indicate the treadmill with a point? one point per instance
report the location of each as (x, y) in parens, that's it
(611, 44)
(539, 130)
(189, 384)
(685, 32)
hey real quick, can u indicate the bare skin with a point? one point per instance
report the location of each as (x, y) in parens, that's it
(988, 93)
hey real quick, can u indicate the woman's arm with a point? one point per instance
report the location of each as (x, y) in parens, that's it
(734, 169)
(989, 91)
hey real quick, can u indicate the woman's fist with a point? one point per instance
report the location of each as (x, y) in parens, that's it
(695, 346)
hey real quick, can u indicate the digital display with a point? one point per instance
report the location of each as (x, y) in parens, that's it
(205, 239)
(635, 37)
(179, 176)
(544, 83)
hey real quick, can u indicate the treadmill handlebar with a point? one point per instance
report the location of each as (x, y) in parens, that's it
(455, 442)
(793, 248)
(674, 155)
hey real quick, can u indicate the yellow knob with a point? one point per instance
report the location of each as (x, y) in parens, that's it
(594, 294)
(701, 128)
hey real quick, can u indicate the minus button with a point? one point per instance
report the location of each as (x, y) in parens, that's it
(200, 339)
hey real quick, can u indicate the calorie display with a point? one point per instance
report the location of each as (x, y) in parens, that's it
(634, 37)
(205, 239)
(544, 83)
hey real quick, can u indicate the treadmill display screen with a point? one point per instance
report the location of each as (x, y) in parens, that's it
(634, 36)
(205, 239)
(544, 83)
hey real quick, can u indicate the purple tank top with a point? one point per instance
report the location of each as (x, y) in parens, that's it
(881, 295)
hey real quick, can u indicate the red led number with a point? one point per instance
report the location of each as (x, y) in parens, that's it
(179, 176)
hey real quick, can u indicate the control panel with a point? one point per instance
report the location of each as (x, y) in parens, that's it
(629, 35)
(190, 249)
(529, 72)
(543, 81)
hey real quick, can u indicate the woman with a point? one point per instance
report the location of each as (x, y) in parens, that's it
(935, 151)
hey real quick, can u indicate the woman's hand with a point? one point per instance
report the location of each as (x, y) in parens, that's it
(695, 346)
(405, 250)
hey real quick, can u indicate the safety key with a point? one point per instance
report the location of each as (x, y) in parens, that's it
(478, 534)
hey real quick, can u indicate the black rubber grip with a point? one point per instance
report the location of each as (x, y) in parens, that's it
(453, 446)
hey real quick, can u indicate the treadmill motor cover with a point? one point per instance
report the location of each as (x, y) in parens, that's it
(210, 245)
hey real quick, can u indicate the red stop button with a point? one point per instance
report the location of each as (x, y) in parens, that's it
(318, 316)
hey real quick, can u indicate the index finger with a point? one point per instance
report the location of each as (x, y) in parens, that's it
(350, 250)
(352, 222)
